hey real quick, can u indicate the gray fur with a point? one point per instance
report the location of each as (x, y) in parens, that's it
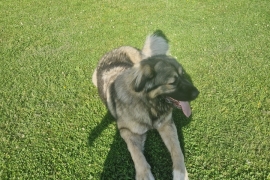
(133, 84)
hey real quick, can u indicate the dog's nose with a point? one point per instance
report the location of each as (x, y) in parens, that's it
(195, 94)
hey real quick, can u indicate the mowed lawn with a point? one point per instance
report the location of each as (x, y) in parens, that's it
(54, 126)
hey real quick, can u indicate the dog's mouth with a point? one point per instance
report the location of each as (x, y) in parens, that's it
(184, 105)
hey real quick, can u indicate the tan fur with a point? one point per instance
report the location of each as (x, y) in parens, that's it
(135, 144)
(169, 136)
(134, 90)
(134, 54)
(160, 90)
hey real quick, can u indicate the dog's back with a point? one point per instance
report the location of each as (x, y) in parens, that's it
(118, 60)
(111, 65)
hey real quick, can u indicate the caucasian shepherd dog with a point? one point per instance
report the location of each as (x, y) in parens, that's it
(140, 89)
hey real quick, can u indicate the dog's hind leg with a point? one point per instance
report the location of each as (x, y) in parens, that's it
(135, 143)
(169, 135)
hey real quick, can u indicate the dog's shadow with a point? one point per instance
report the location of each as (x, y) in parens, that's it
(119, 165)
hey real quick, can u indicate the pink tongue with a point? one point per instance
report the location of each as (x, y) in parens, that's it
(185, 108)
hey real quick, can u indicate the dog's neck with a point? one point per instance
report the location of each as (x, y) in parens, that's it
(158, 107)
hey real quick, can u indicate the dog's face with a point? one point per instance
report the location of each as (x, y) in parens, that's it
(163, 77)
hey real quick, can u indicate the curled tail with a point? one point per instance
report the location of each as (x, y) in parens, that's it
(155, 44)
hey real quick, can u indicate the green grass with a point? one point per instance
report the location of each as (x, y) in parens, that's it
(53, 125)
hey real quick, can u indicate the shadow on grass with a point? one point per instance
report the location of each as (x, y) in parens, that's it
(119, 165)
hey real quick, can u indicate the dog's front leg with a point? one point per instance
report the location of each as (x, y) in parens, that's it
(169, 135)
(135, 143)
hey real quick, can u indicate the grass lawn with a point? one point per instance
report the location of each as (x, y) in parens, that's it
(53, 125)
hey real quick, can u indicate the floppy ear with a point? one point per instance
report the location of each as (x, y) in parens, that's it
(143, 73)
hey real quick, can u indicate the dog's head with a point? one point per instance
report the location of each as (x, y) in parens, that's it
(163, 77)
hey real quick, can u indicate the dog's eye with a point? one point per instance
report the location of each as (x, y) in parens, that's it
(173, 81)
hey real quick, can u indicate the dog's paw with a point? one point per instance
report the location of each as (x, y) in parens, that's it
(146, 175)
(178, 175)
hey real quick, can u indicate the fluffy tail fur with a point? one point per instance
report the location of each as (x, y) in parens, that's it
(155, 44)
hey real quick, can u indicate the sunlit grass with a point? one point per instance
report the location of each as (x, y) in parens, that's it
(53, 125)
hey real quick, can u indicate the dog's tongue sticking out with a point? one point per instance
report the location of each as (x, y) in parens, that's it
(185, 108)
(184, 105)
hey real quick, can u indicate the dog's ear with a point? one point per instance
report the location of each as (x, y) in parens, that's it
(143, 73)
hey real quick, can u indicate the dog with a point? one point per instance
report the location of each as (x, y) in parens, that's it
(140, 88)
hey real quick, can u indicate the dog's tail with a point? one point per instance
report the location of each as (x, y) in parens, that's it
(155, 44)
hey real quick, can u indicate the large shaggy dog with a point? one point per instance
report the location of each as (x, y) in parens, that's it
(140, 89)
